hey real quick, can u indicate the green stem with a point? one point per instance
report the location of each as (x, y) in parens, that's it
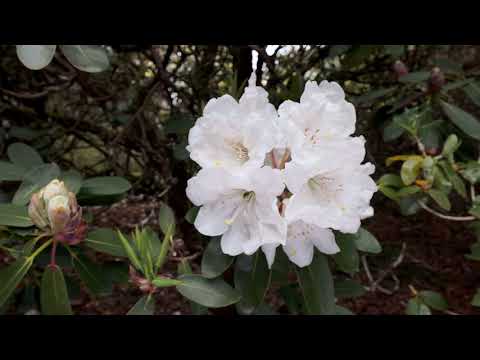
(40, 249)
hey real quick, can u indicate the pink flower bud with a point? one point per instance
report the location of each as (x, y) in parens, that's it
(400, 69)
(437, 80)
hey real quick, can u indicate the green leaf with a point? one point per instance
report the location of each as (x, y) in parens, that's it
(292, 298)
(373, 95)
(92, 275)
(410, 170)
(408, 191)
(341, 310)
(130, 251)
(36, 57)
(440, 198)
(214, 261)
(317, 287)
(252, 279)
(11, 172)
(14, 215)
(89, 58)
(471, 172)
(476, 299)
(105, 185)
(73, 180)
(465, 121)
(54, 296)
(11, 276)
(473, 92)
(165, 282)
(475, 211)
(448, 66)
(388, 192)
(144, 306)
(415, 77)
(184, 268)
(450, 145)
(24, 156)
(213, 293)
(33, 181)
(348, 289)
(366, 242)
(408, 206)
(395, 51)
(416, 307)
(347, 259)
(105, 240)
(392, 131)
(391, 180)
(433, 299)
(192, 214)
(454, 179)
(475, 252)
(166, 219)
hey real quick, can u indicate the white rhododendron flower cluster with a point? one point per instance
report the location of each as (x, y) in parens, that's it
(284, 178)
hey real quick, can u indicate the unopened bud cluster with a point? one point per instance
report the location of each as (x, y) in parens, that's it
(55, 210)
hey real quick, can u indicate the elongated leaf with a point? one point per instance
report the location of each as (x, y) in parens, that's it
(11, 276)
(251, 278)
(341, 310)
(476, 299)
(54, 296)
(317, 287)
(185, 269)
(416, 307)
(144, 306)
(348, 289)
(11, 172)
(24, 156)
(105, 185)
(473, 92)
(410, 170)
(440, 198)
(92, 275)
(433, 299)
(455, 180)
(106, 241)
(366, 242)
(392, 131)
(89, 58)
(34, 180)
(166, 219)
(191, 214)
(165, 282)
(391, 180)
(14, 215)
(36, 57)
(73, 180)
(213, 293)
(415, 77)
(347, 259)
(214, 261)
(408, 191)
(465, 121)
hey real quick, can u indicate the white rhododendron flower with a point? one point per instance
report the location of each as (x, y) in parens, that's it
(241, 207)
(249, 153)
(302, 237)
(335, 195)
(235, 135)
(322, 116)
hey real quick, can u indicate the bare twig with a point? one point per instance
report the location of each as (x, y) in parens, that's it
(445, 217)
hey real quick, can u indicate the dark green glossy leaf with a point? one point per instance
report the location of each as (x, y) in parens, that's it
(54, 296)
(317, 287)
(214, 261)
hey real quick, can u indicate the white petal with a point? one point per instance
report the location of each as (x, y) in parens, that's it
(324, 241)
(269, 250)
